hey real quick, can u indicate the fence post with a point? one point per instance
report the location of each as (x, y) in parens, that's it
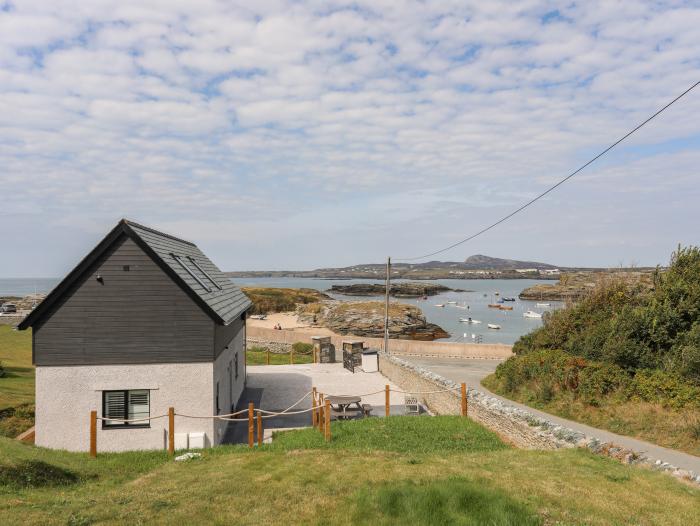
(291, 356)
(464, 399)
(387, 400)
(93, 434)
(260, 430)
(267, 357)
(328, 421)
(322, 417)
(171, 430)
(313, 407)
(251, 425)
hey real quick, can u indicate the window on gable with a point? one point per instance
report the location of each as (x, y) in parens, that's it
(126, 405)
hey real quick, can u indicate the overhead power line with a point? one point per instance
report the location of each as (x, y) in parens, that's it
(540, 196)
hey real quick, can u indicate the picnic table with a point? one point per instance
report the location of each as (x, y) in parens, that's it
(343, 407)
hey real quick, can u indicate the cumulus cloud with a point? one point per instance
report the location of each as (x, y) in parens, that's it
(239, 114)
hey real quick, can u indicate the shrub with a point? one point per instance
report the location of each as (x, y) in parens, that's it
(662, 387)
(302, 348)
(257, 348)
(2, 370)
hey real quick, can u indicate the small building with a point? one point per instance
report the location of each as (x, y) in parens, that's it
(143, 323)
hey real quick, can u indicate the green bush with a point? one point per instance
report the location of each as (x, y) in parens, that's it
(661, 387)
(631, 325)
(35, 474)
(302, 348)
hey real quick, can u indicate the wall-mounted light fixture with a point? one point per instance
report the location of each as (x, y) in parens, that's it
(100, 279)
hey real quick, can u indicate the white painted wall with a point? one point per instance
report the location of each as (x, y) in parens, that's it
(230, 388)
(66, 395)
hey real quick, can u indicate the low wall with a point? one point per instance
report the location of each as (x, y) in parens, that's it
(401, 347)
(517, 426)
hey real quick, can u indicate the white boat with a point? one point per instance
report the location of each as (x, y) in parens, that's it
(544, 304)
(531, 314)
(439, 304)
(461, 307)
(469, 320)
(452, 303)
(493, 326)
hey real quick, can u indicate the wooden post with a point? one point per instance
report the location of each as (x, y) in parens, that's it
(291, 356)
(267, 357)
(93, 434)
(322, 418)
(314, 420)
(387, 400)
(260, 431)
(327, 425)
(251, 423)
(171, 430)
(464, 399)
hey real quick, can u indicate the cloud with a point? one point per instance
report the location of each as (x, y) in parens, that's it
(203, 113)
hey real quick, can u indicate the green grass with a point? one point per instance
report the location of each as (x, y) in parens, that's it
(17, 385)
(255, 356)
(377, 476)
(399, 434)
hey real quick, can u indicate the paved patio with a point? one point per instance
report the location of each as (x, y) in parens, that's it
(276, 387)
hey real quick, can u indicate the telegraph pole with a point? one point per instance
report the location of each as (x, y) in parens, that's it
(386, 305)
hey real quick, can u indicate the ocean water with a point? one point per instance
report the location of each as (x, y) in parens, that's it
(25, 286)
(480, 292)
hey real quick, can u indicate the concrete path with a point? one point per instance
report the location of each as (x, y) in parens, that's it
(472, 371)
(277, 387)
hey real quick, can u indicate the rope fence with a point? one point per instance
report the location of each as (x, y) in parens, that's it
(320, 414)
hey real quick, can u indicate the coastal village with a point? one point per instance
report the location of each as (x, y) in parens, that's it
(349, 263)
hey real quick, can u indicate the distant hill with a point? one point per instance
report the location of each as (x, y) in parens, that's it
(477, 266)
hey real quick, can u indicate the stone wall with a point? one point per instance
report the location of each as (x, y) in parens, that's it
(521, 428)
(10, 320)
(272, 346)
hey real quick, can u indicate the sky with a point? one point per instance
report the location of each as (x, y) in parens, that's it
(298, 135)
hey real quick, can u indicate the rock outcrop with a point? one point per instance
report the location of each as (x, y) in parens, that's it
(398, 290)
(367, 319)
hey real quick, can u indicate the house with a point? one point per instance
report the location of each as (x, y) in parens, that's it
(144, 322)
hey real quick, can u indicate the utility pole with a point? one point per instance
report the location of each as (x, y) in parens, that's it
(386, 305)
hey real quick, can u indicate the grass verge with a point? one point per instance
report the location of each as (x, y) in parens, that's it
(17, 384)
(676, 429)
(258, 356)
(361, 480)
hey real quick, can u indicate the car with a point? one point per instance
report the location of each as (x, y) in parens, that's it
(7, 308)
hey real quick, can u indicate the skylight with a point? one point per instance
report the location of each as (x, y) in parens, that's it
(190, 271)
(192, 260)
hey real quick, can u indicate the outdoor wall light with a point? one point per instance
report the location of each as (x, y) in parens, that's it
(100, 279)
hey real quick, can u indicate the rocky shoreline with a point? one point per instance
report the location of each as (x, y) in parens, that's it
(398, 290)
(406, 322)
(573, 286)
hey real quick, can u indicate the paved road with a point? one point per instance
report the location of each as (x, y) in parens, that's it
(472, 371)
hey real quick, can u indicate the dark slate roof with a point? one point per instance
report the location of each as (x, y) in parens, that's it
(194, 272)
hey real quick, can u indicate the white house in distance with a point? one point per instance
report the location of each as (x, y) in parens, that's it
(144, 322)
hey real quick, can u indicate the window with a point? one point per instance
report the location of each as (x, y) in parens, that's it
(203, 272)
(126, 405)
(190, 272)
(235, 365)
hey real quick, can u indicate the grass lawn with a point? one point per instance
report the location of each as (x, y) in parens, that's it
(256, 357)
(676, 429)
(17, 386)
(403, 470)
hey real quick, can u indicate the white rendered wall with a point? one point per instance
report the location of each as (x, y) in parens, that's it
(230, 388)
(66, 395)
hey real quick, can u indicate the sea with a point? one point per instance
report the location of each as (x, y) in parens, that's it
(471, 303)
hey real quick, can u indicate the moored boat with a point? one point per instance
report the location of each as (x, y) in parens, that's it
(493, 326)
(544, 304)
(494, 306)
(439, 304)
(531, 314)
(505, 307)
(469, 320)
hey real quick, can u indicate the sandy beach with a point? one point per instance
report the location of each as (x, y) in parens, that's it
(288, 321)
